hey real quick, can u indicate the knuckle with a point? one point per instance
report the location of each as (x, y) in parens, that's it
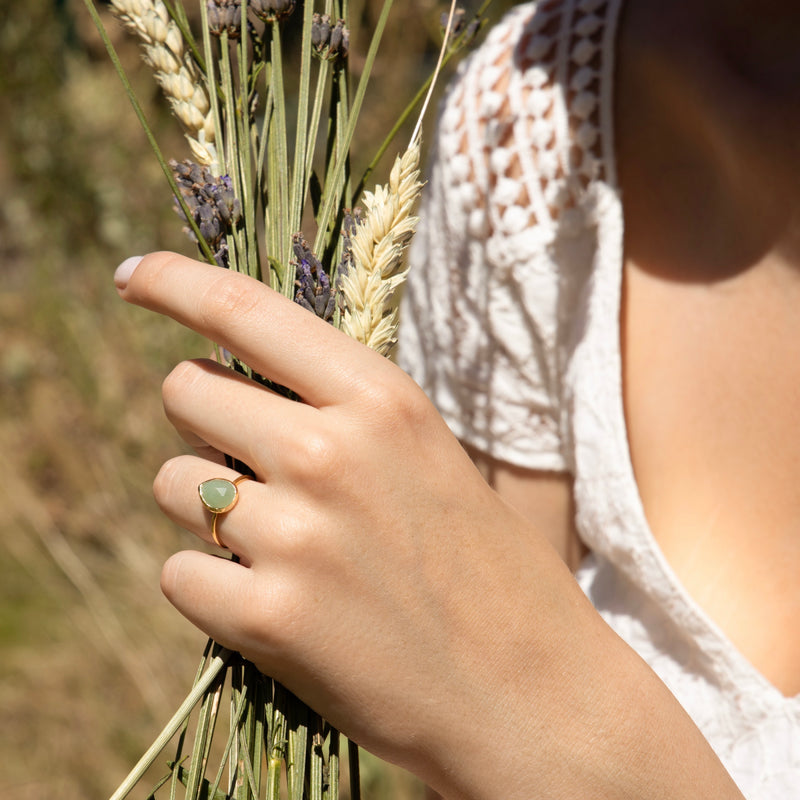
(231, 298)
(313, 455)
(150, 275)
(400, 402)
(171, 576)
(165, 481)
(180, 381)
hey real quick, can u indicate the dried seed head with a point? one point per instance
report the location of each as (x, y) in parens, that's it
(372, 261)
(272, 10)
(225, 16)
(174, 70)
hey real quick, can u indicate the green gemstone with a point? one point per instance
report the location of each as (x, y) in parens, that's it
(218, 494)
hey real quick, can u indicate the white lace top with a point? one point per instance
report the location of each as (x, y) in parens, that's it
(511, 324)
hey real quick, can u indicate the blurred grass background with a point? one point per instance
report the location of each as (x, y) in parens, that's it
(92, 659)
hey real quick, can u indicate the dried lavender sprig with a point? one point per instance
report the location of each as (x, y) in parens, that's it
(272, 10)
(329, 41)
(313, 286)
(212, 203)
(225, 15)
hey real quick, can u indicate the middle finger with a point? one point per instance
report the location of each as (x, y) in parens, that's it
(212, 404)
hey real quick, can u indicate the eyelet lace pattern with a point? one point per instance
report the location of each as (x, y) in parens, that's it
(523, 140)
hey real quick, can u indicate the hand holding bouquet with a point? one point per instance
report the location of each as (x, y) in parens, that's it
(283, 215)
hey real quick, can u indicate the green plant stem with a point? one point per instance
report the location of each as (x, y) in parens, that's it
(209, 710)
(452, 51)
(297, 714)
(214, 89)
(325, 217)
(148, 132)
(316, 116)
(277, 753)
(302, 132)
(245, 157)
(334, 740)
(279, 164)
(401, 120)
(236, 243)
(197, 693)
(239, 710)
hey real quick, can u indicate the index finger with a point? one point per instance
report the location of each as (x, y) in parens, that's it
(273, 335)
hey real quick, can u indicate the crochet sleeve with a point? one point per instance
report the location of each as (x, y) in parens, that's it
(504, 242)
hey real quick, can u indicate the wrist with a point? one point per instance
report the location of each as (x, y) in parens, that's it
(583, 717)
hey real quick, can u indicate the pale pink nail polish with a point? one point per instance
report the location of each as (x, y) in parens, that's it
(125, 270)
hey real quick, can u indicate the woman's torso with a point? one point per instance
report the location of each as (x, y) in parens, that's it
(707, 134)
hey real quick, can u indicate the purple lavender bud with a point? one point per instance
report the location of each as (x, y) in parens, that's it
(304, 281)
(221, 256)
(472, 30)
(329, 41)
(304, 254)
(324, 301)
(209, 224)
(225, 201)
(313, 286)
(211, 202)
(272, 10)
(457, 24)
(460, 26)
(337, 38)
(320, 31)
(351, 221)
(225, 16)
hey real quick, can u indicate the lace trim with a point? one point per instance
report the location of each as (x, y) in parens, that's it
(522, 131)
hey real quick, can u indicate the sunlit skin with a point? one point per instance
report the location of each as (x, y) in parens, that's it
(708, 153)
(435, 620)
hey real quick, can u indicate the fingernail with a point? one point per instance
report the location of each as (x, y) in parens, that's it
(125, 270)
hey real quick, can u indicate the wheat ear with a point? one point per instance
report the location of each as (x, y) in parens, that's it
(369, 285)
(175, 71)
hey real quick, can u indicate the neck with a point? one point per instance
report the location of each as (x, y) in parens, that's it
(708, 96)
(760, 40)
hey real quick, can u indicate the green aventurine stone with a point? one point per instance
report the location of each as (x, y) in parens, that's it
(217, 494)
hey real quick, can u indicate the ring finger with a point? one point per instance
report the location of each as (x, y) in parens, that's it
(183, 482)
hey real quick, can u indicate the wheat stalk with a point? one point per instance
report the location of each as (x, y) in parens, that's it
(175, 71)
(369, 284)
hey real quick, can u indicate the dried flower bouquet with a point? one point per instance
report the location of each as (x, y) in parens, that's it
(245, 196)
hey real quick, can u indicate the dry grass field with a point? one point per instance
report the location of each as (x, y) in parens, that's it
(92, 658)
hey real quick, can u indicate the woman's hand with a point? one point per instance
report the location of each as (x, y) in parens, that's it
(381, 580)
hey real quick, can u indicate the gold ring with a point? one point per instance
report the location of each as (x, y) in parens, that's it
(219, 495)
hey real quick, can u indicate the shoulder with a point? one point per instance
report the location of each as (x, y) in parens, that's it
(526, 126)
